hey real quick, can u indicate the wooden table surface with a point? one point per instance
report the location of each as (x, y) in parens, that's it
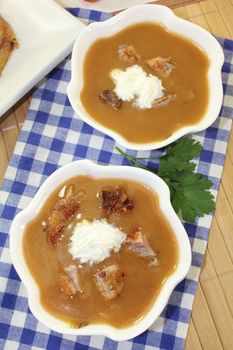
(211, 325)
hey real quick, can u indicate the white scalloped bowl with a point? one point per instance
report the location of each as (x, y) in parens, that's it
(154, 14)
(61, 175)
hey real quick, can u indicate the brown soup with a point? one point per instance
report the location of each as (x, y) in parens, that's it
(141, 276)
(187, 82)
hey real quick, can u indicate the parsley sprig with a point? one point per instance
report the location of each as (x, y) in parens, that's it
(190, 195)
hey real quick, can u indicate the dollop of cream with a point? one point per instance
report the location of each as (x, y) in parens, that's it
(134, 84)
(92, 242)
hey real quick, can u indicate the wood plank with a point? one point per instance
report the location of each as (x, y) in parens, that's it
(218, 306)
(3, 157)
(181, 12)
(20, 110)
(230, 145)
(218, 251)
(192, 341)
(196, 16)
(217, 303)
(194, 10)
(204, 324)
(225, 221)
(201, 21)
(208, 272)
(216, 24)
(215, 21)
(227, 18)
(227, 179)
(208, 6)
(227, 285)
(10, 132)
(224, 4)
(221, 194)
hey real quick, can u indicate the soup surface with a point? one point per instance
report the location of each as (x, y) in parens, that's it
(186, 83)
(136, 271)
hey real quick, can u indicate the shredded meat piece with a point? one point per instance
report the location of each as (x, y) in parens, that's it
(127, 53)
(73, 273)
(164, 100)
(69, 280)
(109, 281)
(63, 210)
(138, 243)
(109, 97)
(116, 201)
(66, 285)
(161, 65)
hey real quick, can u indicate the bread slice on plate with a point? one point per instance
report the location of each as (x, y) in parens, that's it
(8, 42)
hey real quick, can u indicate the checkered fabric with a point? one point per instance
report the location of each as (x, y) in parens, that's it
(52, 136)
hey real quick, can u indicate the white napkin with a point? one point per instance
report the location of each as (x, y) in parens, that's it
(102, 5)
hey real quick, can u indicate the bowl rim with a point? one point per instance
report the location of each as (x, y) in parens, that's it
(188, 27)
(99, 171)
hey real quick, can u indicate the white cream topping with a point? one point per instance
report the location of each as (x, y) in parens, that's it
(134, 84)
(92, 242)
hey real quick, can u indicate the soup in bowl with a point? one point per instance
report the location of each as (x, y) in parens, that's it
(100, 250)
(146, 77)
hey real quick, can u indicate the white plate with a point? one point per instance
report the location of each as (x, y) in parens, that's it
(45, 32)
(153, 14)
(86, 167)
(103, 5)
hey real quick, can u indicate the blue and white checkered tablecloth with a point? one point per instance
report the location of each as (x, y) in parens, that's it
(53, 136)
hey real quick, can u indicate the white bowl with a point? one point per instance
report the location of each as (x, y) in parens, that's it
(81, 167)
(154, 14)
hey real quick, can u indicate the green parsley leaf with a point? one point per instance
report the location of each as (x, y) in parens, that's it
(190, 195)
(168, 167)
(185, 149)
